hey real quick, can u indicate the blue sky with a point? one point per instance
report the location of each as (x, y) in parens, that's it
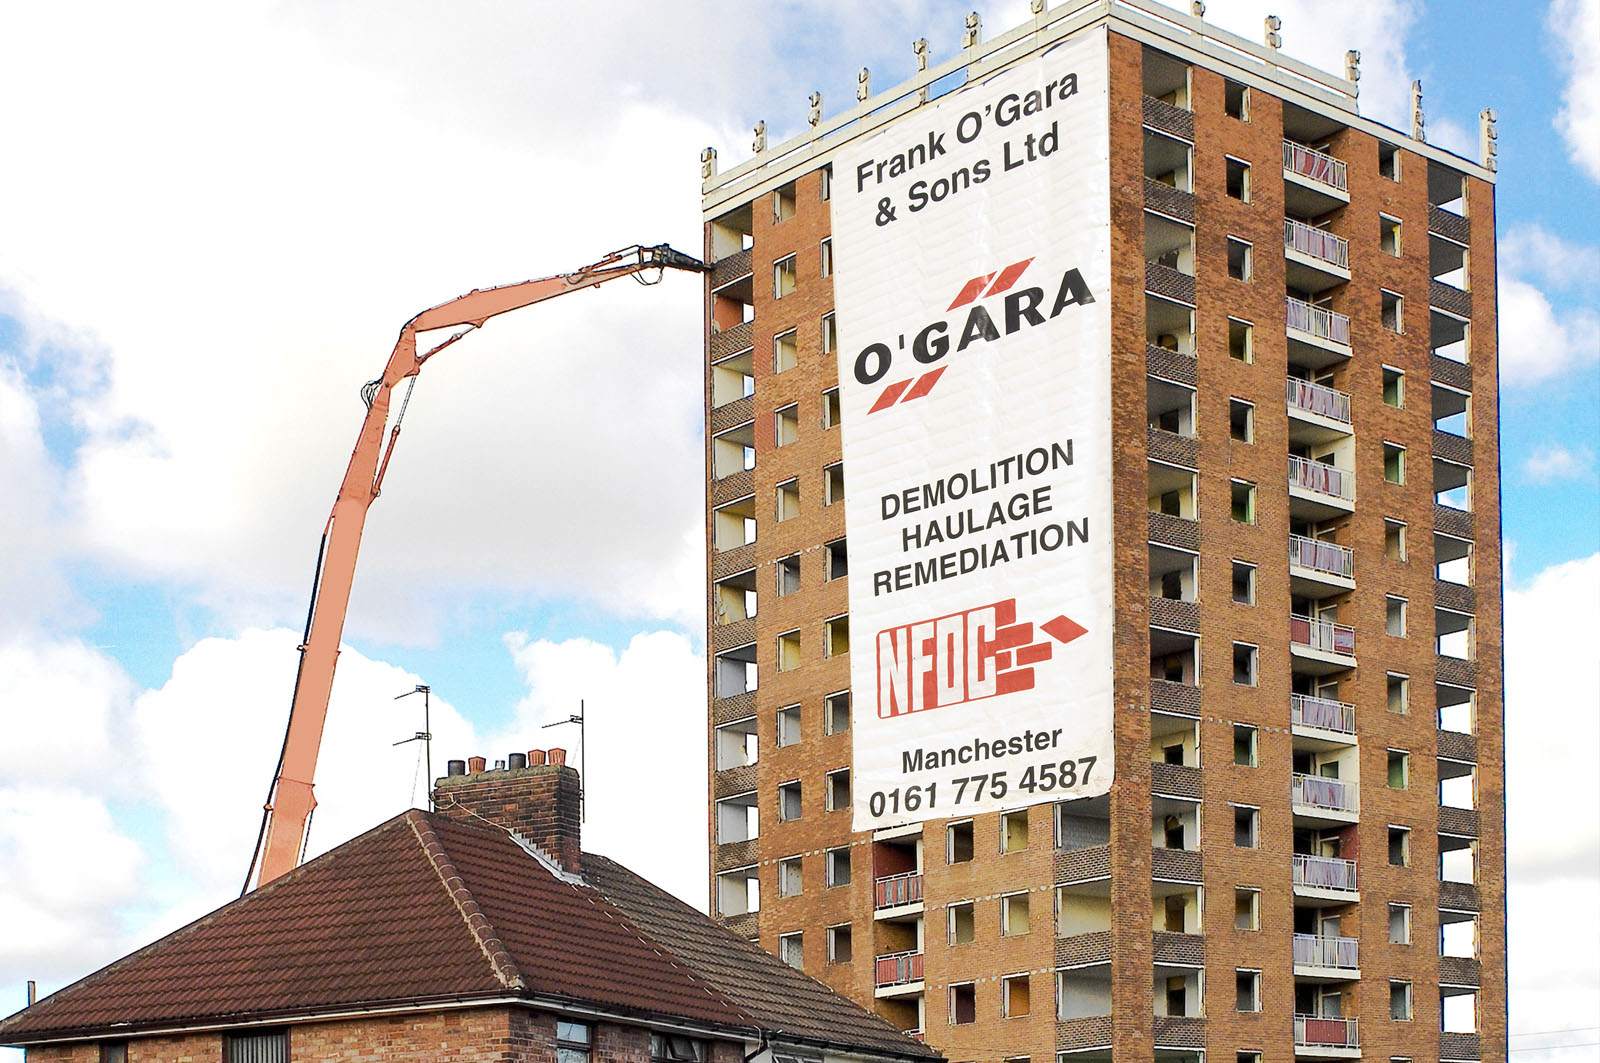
(215, 217)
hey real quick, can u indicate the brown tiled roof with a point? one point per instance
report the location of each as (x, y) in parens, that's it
(424, 908)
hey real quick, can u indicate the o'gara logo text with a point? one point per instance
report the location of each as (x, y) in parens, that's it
(1021, 309)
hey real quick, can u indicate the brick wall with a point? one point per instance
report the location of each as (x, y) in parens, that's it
(539, 803)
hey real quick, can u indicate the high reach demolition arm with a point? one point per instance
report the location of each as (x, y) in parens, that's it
(281, 841)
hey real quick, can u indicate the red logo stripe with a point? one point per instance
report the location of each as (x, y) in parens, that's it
(1008, 277)
(971, 290)
(891, 394)
(925, 384)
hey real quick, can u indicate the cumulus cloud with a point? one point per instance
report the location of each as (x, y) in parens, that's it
(30, 580)
(1537, 343)
(1534, 252)
(1574, 26)
(1552, 462)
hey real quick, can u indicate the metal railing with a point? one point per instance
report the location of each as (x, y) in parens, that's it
(1323, 324)
(1319, 167)
(1318, 399)
(1317, 791)
(893, 890)
(1325, 714)
(1320, 556)
(1325, 1032)
(1321, 478)
(1325, 872)
(1314, 950)
(1318, 243)
(898, 968)
(1322, 635)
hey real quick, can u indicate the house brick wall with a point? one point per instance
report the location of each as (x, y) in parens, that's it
(539, 803)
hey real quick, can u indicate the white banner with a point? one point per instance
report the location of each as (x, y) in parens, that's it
(972, 244)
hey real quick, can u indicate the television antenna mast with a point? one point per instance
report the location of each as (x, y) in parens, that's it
(583, 758)
(425, 736)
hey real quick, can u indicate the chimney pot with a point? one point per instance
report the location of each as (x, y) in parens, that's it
(517, 760)
(558, 756)
(535, 757)
(499, 765)
(475, 764)
(456, 767)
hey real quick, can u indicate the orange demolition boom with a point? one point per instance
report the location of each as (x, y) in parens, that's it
(289, 803)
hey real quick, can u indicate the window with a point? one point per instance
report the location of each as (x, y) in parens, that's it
(836, 636)
(1015, 999)
(1393, 312)
(838, 791)
(1246, 908)
(839, 944)
(1238, 259)
(830, 340)
(113, 1052)
(783, 277)
(789, 801)
(838, 560)
(963, 1004)
(783, 203)
(1394, 463)
(1242, 499)
(1236, 100)
(836, 867)
(1245, 739)
(833, 483)
(1394, 539)
(1246, 826)
(1389, 235)
(786, 425)
(791, 881)
(670, 1048)
(788, 651)
(825, 183)
(573, 1040)
(1399, 693)
(1245, 663)
(1400, 1001)
(1014, 915)
(788, 499)
(826, 268)
(1014, 831)
(1399, 924)
(788, 574)
(792, 950)
(1399, 769)
(1394, 615)
(958, 842)
(1244, 583)
(1399, 846)
(1247, 990)
(785, 352)
(1240, 341)
(1388, 161)
(1241, 421)
(836, 713)
(830, 408)
(1394, 387)
(962, 924)
(1249, 1056)
(788, 725)
(1238, 178)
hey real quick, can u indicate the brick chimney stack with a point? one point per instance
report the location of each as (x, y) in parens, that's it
(538, 802)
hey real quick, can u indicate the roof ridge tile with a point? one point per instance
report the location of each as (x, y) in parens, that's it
(483, 932)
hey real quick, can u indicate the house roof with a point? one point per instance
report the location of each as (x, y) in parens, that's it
(426, 909)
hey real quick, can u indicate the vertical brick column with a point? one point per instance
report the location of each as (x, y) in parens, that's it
(538, 803)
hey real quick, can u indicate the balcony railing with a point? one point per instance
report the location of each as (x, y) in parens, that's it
(895, 890)
(1318, 399)
(1314, 950)
(899, 968)
(1318, 243)
(1320, 556)
(1315, 1030)
(1322, 713)
(1324, 872)
(1308, 162)
(1317, 791)
(1323, 324)
(1322, 635)
(1323, 479)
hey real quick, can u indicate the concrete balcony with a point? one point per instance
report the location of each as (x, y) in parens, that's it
(1165, 118)
(897, 897)
(1319, 569)
(1454, 1046)
(1318, 491)
(1178, 1031)
(1319, 1037)
(1326, 879)
(1318, 647)
(1314, 259)
(1458, 896)
(1178, 699)
(1314, 182)
(1326, 959)
(898, 974)
(1317, 337)
(1317, 414)
(1176, 865)
(1090, 1032)
(1319, 801)
(1321, 724)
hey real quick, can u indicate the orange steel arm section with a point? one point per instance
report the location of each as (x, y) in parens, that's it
(290, 802)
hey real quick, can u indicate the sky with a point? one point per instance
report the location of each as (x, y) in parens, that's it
(215, 217)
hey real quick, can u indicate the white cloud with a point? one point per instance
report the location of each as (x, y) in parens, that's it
(30, 582)
(1552, 462)
(1535, 342)
(1532, 251)
(1575, 26)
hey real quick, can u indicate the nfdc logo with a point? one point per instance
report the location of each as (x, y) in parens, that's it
(1022, 308)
